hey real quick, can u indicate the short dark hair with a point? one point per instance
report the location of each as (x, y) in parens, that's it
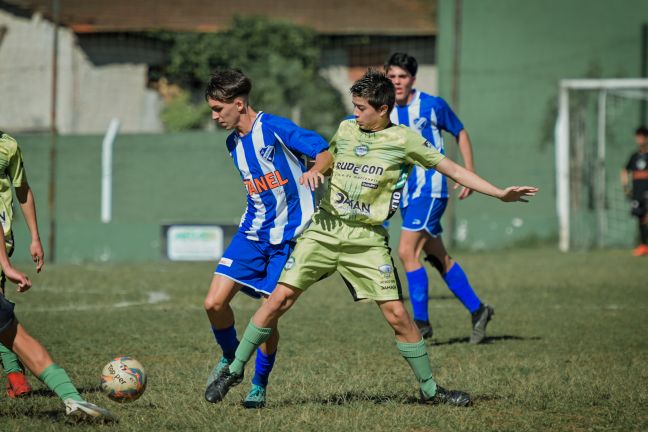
(642, 130)
(226, 85)
(376, 88)
(403, 61)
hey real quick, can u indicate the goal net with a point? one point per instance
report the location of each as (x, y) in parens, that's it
(594, 139)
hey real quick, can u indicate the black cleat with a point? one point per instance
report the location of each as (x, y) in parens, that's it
(425, 328)
(450, 397)
(480, 320)
(217, 390)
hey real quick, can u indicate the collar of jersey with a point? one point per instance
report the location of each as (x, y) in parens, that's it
(416, 97)
(256, 120)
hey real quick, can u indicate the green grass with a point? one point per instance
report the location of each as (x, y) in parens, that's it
(567, 350)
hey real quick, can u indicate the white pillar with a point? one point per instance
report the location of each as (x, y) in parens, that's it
(106, 170)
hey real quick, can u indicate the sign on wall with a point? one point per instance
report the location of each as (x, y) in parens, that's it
(194, 242)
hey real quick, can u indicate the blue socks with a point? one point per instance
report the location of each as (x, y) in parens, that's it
(457, 282)
(263, 367)
(227, 340)
(417, 282)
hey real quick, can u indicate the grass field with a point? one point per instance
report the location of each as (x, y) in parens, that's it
(567, 350)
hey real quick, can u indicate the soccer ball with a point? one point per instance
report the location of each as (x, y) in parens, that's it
(123, 379)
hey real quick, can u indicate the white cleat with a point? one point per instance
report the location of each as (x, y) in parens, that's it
(86, 411)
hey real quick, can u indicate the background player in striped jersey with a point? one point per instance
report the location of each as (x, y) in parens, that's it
(269, 152)
(426, 197)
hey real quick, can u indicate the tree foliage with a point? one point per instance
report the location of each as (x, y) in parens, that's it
(282, 60)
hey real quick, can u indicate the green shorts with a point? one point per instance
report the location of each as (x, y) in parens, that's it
(358, 251)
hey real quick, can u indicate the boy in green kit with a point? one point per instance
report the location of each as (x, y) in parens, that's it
(372, 158)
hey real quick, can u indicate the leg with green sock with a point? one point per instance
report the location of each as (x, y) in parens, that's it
(36, 358)
(412, 347)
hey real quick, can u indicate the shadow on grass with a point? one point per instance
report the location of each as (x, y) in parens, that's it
(488, 340)
(434, 297)
(49, 393)
(354, 396)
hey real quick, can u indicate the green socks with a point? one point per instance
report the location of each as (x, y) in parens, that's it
(252, 338)
(59, 382)
(9, 360)
(417, 357)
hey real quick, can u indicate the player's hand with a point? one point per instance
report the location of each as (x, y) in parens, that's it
(464, 192)
(36, 251)
(517, 193)
(18, 278)
(311, 179)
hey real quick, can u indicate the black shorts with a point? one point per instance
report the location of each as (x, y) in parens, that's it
(639, 206)
(7, 316)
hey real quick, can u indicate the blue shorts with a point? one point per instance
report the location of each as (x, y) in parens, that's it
(424, 213)
(256, 265)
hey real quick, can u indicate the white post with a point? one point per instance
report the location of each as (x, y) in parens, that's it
(600, 182)
(106, 170)
(562, 168)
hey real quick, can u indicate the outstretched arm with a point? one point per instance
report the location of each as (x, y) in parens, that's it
(471, 180)
(28, 207)
(314, 176)
(465, 148)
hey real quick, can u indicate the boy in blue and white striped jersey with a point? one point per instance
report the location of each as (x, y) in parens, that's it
(270, 153)
(426, 197)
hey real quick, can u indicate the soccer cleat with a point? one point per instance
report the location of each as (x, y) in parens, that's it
(217, 370)
(480, 320)
(256, 398)
(450, 397)
(425, 328)
(640, 250)
(17, 385)
(86, 411)
(217, 390)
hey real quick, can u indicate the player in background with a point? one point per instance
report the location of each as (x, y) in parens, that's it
(372, 157)
(426, 197)
(637, 170)
(268, 151)
(16, 342)
(13, 174)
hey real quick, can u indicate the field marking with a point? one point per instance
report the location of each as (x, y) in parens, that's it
(154, 298)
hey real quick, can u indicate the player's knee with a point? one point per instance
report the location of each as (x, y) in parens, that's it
(406, 253)
(214, 304)
(396, 315)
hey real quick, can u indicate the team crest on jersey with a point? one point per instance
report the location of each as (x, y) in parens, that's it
(421, 123)
(428, 144)
(361, 150)
(385, 269)
(267, 153)
(641, 164)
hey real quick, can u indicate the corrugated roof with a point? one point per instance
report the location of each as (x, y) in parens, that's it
(330, 17)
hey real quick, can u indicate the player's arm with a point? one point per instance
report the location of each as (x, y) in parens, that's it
(625, 182)
(471, 180)
(466, 151)
(315, 176)
(28, 207)
(10, 272)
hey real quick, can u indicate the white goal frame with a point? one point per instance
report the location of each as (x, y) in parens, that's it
(563, 146)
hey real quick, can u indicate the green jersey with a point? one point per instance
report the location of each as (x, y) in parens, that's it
(370, 170)
(12, 173)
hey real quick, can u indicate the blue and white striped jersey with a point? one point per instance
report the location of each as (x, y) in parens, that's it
(428, 115)
(270, 161)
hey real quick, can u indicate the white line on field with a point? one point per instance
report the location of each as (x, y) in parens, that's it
(154, 298)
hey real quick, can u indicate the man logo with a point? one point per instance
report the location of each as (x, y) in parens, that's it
(289, 264)
(421, 123)
(361, 150)
(267, 153)
(385, 269)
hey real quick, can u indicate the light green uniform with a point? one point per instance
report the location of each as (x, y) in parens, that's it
(12, 173)
(346, 234)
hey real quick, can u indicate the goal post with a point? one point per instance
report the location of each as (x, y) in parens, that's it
(572, 152)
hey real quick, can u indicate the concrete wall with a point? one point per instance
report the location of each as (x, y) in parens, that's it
(513, 55)
(91, 91)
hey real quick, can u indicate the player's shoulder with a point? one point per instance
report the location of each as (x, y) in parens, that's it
(275, 122)
(8, 144)
(347, 126)
(231, 141)
(431, 100)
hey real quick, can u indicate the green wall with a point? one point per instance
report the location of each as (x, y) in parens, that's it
(158, 179)
(513, 54)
